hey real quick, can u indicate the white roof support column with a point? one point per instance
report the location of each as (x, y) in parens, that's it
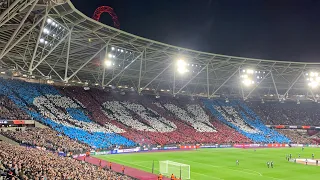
(68, 56)
(141, 61)
(104, 66)
(274, 85)
(38, 40)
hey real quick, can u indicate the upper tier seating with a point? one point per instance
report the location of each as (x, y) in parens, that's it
(237, 115)
(288, 113)
(296, 136)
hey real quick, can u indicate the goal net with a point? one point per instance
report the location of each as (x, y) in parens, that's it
(170, 167)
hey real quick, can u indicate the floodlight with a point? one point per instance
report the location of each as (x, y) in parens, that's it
(313, 84)
(45, 42)
(46, 31)
(250, 71)
(181, 66)
(53, 23)
(181, 63)
(182, 70)
(121, 50)
(41, 40)
(110, 55)
(247, 82)
(107, 63)
(112, 48)
(49, 20)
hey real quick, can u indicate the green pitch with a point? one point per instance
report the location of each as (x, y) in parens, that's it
(220, 164)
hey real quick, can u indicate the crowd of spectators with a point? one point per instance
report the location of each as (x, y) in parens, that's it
(48, 138)
(157, 122)
(239, 116)
(44, 103)
(288, 113)
(184, 115)
(17, 162)
(297, 136)
(9, 111)
(231, 115)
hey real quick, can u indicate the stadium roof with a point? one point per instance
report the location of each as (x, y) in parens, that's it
(46, 39)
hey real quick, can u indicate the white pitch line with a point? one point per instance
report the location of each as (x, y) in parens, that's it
(158, 169)
(255, 172)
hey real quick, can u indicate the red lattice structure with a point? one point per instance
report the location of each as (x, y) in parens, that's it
(107, 9)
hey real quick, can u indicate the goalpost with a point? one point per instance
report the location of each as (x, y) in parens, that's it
(178, 169)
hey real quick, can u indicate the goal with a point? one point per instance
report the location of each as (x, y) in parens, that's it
(170, 167)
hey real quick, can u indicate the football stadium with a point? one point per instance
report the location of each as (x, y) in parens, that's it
(84, 100)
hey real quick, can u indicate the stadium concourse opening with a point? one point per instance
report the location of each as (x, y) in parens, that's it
(76, 94)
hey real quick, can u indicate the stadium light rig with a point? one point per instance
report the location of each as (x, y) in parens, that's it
(313, 79)
(108, 63)
(250, 76)
(182, 66)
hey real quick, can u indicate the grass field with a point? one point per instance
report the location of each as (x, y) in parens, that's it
(215, 164)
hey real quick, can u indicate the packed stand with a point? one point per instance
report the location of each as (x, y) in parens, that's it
(91, 100)
(239, 116)
(48, 138)
(186, 133)
(53, 110)
(296, 136)
(19, 163)
(9, 111)
(288, 113)
(184, 116)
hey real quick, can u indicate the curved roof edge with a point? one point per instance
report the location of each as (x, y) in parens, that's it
(181, 48)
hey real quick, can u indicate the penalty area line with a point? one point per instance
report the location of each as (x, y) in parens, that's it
(243, 169)
(213, 177)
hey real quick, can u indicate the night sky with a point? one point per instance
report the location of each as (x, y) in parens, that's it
(268, 29)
